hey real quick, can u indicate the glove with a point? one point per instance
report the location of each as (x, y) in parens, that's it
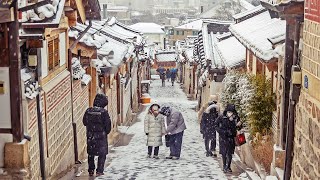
(147, 134)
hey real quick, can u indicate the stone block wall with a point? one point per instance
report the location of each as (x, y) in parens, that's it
(59, 135)
(306, 162)
(80, 104)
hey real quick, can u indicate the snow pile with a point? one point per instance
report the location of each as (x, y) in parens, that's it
(41, 13)
(79, 73)
(254, 33)
(31, 87)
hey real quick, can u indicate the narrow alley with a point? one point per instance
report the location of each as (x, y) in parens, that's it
(131, 162)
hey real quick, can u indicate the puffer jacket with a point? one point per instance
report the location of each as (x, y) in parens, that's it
(207, 125)
(154, 127)
(175, 122)
(98, 125)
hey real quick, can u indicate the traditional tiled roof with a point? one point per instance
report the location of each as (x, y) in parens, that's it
(194, 25)
(167, 56)
(282, 2)
(148, 28)
(249, 13)
(254, 33)
(231, 52)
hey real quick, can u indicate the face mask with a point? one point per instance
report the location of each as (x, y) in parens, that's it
(229, 114)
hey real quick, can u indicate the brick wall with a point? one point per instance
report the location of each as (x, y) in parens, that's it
(306, 162)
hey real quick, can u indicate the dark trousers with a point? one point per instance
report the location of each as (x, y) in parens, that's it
(227, 159)
(175, 144)
(101, 161)
(156, 150)
(210, 143)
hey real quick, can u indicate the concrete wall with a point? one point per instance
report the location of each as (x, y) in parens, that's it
(307, 140)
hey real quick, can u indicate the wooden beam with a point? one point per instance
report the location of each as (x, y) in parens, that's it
(34, 43)
(4, 60)
(5, 131)
(72, 17)
(6, 15)
(81, 10)
(86, 51)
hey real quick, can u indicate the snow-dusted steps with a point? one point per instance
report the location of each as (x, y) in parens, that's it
(131, 162)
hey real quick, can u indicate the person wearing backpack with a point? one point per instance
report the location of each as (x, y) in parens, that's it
(98, 126)
(207, 126)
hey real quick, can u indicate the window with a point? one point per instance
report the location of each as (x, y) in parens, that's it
(53, 54)
(177, 32)
(194, 33)
(182, 32)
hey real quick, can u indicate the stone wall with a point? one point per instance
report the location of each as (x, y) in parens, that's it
(58, 122)
(306, 162)
(80, 104)
(307, 140)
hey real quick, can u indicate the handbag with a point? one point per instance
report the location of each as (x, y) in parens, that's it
(240, 139)
(167, 139)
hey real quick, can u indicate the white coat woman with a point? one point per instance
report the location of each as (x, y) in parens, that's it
(154, 128)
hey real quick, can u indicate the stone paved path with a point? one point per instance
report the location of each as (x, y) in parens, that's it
(130, 161)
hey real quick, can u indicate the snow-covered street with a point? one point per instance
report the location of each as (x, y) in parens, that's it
(131, 162)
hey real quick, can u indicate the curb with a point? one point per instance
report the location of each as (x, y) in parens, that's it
(244, 168)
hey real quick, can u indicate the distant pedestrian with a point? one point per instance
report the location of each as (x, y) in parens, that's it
(226, 126)
(98, 126)
(173, 73)
(175, 128)
(207, 126)
(163, 79)
(168, 74)
(154, 128)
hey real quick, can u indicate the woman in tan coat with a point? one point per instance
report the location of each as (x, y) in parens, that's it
(154, 128)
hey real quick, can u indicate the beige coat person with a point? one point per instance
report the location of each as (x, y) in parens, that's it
(154, 127)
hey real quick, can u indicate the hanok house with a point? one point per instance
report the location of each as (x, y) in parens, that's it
(210, 69)
(51, 110)
(263, 37)
(117, 67)
(165, 59)
(300, 94)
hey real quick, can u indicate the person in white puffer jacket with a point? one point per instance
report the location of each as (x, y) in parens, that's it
(154, 128)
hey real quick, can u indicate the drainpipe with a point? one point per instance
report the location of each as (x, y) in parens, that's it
(294, 97)
(39, 116)
(74, 125)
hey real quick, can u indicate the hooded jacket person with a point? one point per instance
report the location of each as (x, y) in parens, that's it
(98, 126)
(226, 126)
(207, 126)
(154, 128)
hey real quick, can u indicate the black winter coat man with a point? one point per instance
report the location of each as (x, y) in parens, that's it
(98, 125)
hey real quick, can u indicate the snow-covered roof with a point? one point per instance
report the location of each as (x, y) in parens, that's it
(148, 28)
(276, 2)
(254, 33)
(243, 5)
(249, 12)
(231, 51)
(166, 56)
(194, 25)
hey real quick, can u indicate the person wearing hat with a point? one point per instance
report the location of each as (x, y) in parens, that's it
(154, 128)
(207, 126)
(226, 125)
(175, 128)
(98, 126)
